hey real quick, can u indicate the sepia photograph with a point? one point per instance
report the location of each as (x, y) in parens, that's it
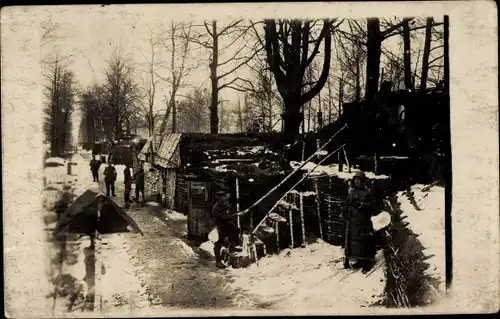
(203, 163)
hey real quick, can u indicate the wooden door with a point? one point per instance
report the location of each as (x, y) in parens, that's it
(198, 210)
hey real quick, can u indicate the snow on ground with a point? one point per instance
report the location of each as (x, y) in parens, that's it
(208, 247)
(311, 278)
(120, 288)
(175, 216)
(429, 224)
(333, 170)
(189, 252)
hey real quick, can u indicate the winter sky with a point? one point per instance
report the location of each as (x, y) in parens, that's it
(89, 34)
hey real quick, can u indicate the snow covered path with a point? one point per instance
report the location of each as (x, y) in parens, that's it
(170, 272)
(312, 280)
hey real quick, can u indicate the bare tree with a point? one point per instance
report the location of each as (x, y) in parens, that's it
(407, 54)
(150, 82)
(218, 40)
(92, 107)
(60, 93)
(193, 115)
(288, 54)
(122, 96)
(176, 41)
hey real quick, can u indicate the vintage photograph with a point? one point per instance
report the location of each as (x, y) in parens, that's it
(293, 165)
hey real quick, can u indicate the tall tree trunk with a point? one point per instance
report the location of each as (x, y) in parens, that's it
(407, 55)
(427, 52)
(446, 74)
(374, 52)
(329, 101)
(358, 82)
(341, 95)
(174, 115)
(214, 119)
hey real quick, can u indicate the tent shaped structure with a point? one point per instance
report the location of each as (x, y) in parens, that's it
(82, 217)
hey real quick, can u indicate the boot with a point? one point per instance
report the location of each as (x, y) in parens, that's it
(346, 263)
(366, 266)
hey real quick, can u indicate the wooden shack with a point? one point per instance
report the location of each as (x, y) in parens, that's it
(160, 158)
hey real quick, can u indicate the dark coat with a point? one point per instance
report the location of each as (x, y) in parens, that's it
(358, 210)
(110, 174)
(225, 223)
(139, 179)
(127, 176)
(94, 165)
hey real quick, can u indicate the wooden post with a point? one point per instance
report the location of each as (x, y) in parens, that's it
(290, 220)
(318, 207)
(238, 203)
(346, 160)
(251, 219)
(304, 148)
(301, 199)
(277, 231)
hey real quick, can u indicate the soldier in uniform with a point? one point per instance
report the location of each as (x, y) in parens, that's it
(110, 179)
(94, 168)
(128, 183)
(358, 210)
(225, 222)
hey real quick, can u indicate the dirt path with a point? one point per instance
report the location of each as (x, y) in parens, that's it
(171, 269)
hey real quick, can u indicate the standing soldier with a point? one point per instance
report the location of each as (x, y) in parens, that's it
(94, 167)
(139, 183)
(359, 240)
(226, 225)
(110, 178)
(128, 184)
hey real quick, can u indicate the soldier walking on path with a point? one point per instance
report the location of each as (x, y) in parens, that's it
(128, 184)
(110, 178)
(94, 167)
(139, 184)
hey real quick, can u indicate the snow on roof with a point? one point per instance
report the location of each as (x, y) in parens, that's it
(333, 170)
(428, 222)
(164, 151)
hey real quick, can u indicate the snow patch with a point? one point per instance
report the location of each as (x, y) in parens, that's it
(380, 221)
(333, 170)
(208, 247)
(312, 277)
(187, 249)
(428, 222)
(304, 194)
(175, 216)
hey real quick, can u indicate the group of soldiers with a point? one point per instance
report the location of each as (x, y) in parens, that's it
(110, 176)
(357, 211)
